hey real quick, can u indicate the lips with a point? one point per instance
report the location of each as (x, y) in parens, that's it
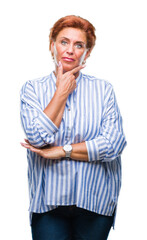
(68, 59)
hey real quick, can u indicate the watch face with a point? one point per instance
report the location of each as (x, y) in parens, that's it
(67, 148)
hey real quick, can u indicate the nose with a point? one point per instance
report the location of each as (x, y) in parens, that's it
(70, 49)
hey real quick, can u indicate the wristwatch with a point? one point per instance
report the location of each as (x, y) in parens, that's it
(67, 149)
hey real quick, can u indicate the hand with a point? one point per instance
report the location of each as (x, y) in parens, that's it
(52, 152)
(66, 83)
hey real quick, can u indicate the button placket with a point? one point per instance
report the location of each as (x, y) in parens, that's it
(70, 113)
(68, 116)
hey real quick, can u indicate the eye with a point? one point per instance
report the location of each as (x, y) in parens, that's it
(63, 42)
(79, 45)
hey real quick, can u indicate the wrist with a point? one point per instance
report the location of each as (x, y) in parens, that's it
(67, 149)
(62, 152)
(60, 95)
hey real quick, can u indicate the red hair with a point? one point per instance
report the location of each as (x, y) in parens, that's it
(74, 22)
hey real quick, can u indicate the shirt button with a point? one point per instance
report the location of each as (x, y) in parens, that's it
(69, 109)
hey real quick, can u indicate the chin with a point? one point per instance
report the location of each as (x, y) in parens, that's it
(68, 67)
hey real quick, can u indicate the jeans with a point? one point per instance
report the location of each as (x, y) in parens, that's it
(70, 223)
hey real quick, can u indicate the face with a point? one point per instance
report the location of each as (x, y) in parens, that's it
(70, 48)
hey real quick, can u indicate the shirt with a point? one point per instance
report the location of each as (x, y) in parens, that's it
(92, 115)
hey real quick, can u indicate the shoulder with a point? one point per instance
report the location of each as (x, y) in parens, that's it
(35, 83)
(97, 81)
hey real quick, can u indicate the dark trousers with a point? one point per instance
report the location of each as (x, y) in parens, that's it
(70, 223)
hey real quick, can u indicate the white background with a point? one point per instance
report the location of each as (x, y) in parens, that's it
(120, 56)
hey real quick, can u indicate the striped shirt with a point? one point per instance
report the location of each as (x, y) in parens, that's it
(92, 115)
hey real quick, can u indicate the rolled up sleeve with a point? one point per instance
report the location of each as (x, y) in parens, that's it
(110, 141)
(39, 129)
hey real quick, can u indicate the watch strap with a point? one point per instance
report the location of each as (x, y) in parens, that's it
(68, 154)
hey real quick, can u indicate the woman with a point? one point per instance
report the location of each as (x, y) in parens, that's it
(74, 141)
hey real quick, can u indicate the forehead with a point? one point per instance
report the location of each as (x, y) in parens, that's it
(73, 34)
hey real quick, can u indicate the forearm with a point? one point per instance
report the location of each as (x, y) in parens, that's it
(55, 108)
(65, 84)
(79, 152)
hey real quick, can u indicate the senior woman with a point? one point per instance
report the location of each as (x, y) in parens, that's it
(74, 141)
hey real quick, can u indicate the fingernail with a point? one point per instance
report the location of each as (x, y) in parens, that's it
(60, 64)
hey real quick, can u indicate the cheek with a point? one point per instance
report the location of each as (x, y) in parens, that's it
(59, 53)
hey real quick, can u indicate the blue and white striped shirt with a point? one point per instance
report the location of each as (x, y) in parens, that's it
(91, 114)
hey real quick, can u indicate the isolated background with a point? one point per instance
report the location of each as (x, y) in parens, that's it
(120, 56)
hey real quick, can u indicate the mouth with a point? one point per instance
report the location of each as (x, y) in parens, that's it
(68, 59)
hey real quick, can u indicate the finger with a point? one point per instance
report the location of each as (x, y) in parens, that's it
(60, 70)
(26, 140)
(36, 150)
(77, 69)
(26, 145)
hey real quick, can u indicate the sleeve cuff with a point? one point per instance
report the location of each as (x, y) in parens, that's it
(97, 149)
(92, 149)
(46, 123)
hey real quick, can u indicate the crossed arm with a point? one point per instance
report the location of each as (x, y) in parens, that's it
(79, 151)
(65, 84)
(41, 126)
